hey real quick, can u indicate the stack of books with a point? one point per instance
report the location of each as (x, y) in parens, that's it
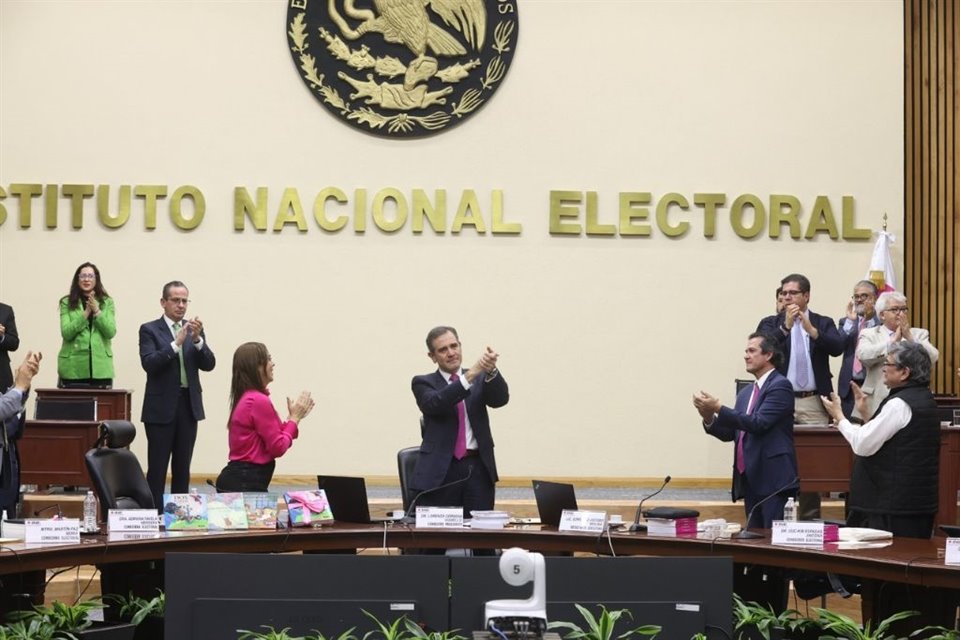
(672, 522)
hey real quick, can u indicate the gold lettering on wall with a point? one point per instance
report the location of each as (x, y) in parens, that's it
(638, 214)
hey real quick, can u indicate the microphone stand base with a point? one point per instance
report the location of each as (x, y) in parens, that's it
(637, 527)
(747, 535)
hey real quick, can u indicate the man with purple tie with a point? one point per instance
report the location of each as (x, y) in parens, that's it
(457, 447)
(761, 425)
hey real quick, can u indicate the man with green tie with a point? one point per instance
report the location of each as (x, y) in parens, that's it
(173, 351)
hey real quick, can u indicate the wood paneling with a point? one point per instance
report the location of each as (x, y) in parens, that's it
(931, 184)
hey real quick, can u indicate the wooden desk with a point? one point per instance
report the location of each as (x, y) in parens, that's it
(51, 452)
(825, 463)
(906, 560)
(112, 404)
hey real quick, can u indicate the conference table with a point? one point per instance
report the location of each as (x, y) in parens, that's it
(905, 560)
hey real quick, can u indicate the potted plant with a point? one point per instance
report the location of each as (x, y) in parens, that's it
(753, 621)
(837, 626)
(270, 633)
(146, 615)
(35, 629)
(601, 627)
(73, 622)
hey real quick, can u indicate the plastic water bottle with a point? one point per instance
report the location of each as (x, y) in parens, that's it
(90, 512)
(790, 511)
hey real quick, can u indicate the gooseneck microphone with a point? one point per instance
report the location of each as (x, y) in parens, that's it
(408, 518)
(636, 526)
(55, 505)
(745, 534)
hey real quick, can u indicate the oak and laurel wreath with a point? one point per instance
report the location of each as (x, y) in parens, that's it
(470, 100)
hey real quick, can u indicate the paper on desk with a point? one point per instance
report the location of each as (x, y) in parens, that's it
(863, 544)
(863, 534)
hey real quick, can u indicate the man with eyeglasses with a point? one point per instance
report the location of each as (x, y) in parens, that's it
(861, 314)
(173, 351)
(875, 344)
(896, 470)
(808, 340)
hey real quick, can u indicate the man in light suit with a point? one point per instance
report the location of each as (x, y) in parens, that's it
(173, 350)
(874, 344)
(861, 314)
(457, 445)
(761, 425)
(9, 341)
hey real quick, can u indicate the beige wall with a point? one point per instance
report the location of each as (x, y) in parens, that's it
(603, 339)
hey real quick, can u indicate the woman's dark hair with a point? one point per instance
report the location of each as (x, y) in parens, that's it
(75, 294)
(248, 362)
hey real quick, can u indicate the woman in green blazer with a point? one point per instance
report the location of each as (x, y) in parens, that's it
(87, 324)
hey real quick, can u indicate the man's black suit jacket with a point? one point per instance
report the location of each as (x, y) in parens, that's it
(829, 343)
(438, 400)
(11, 342)
(162, 365)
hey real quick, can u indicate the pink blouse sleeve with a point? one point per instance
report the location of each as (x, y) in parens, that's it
(277, 436)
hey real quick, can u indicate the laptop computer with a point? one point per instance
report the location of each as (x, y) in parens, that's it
(348, 499)
(552, 499)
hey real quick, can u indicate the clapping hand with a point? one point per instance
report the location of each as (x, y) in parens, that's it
(706, 404)
(832, 405)
(301, 407)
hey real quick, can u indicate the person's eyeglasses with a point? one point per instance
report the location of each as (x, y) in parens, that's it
(862, 296)
(897, 309)
(790, 293)
(179, 300)
(891, 364)
(86, 276)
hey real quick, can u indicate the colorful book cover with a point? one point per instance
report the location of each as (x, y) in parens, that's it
(184, 511)
(308, 508)
(226, 511)
(261, 510)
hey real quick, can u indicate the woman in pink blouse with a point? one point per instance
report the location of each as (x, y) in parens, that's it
(257, 435)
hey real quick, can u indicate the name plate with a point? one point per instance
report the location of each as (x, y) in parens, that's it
(952, 555)
(65, 531)
(440, 517)
(124, 536)
(133, 521)
(585, 521)
(797, 533)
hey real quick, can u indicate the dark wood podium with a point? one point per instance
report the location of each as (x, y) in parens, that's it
(826, 464)
(51, 451)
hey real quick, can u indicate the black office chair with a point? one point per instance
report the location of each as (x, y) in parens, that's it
(406, 462)
(115, 471)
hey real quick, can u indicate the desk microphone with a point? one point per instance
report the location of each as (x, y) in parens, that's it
(56, 506)
(744, 534)
(408, 518)
(636, 526)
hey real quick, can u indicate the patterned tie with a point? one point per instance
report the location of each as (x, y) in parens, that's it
(183, 369)
(741, 464)
(857, 365)
(460, 446)
(798, 351)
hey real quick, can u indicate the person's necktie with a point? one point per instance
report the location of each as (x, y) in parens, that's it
(857, 365)
(460, 446)
(183, 369)
(798, 351)
(741, 464)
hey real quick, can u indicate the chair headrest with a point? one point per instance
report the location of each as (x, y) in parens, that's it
(117, 434)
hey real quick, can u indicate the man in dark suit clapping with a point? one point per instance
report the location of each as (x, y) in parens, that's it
(173, 350)
(457, 442)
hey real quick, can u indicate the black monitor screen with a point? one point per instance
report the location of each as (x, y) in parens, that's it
(211, 595)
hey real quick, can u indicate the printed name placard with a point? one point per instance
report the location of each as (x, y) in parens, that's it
(586, 521)
(133, 520)
(440, 517)
(65, 531)
(952, 555)
(122, 536)
(797, 533)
